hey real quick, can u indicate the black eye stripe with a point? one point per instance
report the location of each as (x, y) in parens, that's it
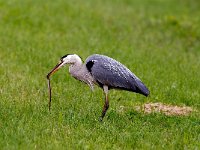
(65, 56)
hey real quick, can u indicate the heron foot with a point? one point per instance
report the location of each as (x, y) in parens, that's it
(100, 119)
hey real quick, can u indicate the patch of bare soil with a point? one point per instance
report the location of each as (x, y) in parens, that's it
(169, 110)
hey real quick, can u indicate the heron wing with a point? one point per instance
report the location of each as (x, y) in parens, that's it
(107, 71)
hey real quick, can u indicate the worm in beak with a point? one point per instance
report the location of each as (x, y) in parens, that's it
(56, 68)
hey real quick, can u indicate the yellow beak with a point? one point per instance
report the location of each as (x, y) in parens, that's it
(56, 68)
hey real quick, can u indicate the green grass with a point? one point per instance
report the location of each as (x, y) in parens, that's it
(158, 40)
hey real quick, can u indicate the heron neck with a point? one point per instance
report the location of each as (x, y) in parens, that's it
(80, 72)
(75, 67)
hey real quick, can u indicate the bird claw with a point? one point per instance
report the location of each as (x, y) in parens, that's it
(100, 119)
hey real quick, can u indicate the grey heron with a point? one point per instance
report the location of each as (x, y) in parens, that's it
(103, 71)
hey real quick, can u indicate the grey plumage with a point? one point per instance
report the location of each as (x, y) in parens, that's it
(107, 71)
(103, 71)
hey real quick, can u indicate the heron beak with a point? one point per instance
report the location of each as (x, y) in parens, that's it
(56, 68)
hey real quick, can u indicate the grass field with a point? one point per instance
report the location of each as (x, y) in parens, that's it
(158, 40)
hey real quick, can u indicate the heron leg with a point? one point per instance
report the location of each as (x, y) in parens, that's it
(106, 104)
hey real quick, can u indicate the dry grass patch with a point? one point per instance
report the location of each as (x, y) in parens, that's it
(166, 109)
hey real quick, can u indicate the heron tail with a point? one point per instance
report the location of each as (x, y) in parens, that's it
(141, 88)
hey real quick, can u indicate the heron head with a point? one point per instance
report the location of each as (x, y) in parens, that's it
(66, 59)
